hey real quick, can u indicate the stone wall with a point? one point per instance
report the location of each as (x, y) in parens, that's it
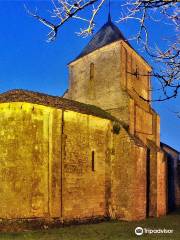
(30, 161)
(161, 184)
(134, 72)
(128, 192)
(113, 77)
(116, 78)
(68, 165)
(86, 139)
(53, 161)
(103, 87)
(153, 180)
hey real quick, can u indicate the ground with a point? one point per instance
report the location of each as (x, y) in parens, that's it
(113, 230)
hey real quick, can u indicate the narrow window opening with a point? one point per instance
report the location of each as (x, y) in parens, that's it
(92, 71)
(91, 85)
(93, 161)
(137, 73)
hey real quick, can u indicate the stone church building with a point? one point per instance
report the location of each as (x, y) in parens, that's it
(93, 153)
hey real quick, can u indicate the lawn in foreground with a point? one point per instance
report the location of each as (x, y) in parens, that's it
(113, 230)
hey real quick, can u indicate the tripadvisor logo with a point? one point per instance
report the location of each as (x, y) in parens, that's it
(140, 231)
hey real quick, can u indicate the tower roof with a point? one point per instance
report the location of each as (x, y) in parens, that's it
(109, 33)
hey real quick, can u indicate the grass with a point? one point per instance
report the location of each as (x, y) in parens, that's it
(113, 230)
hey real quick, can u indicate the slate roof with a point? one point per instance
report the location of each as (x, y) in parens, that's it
(109, 33)
(165, 145)
(19, 95)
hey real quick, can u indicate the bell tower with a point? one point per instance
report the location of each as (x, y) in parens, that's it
(95, 74)
(110, 74)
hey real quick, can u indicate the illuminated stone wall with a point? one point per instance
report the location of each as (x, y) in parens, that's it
(84, 186)
(46, 163)
(128, 200)
(30, 161)
(67, 165)
(114, 83)
(102, 87)
(113, 77)
(161, 184)
(143, 120)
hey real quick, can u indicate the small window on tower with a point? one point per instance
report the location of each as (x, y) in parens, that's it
(92, 71)
(93, 161)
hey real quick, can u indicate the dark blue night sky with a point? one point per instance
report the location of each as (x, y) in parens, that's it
(27, 61)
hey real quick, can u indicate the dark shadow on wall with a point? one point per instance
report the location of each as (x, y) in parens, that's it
(147, 182)
(170, 183)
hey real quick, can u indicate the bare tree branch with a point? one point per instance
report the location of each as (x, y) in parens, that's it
(167, 60)
(142, 11)
(64, 10)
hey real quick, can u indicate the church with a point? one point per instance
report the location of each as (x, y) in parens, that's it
(94, 153)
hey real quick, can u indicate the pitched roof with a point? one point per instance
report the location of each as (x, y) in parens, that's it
(19, 95)
(109, 33)
(169, 147)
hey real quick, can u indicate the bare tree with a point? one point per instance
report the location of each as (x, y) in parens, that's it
(64, 10)
(168, 74)
(142, 11)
